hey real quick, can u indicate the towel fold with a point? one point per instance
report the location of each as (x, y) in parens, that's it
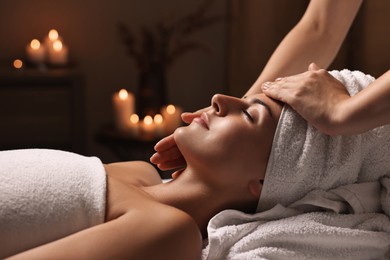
(303, 159)
(352, 198)
(46, 195)
(285, 233)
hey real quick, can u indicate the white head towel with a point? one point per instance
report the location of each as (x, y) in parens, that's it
(303, 159)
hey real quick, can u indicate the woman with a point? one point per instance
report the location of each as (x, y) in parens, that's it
(226, 150)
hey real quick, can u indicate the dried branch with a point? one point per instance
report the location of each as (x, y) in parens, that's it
(168, 40)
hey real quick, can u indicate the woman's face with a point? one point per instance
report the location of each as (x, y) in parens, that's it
(234, 135)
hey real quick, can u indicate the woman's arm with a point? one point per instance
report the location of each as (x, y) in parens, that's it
(366, 110)
(161, 232)
(316, 38)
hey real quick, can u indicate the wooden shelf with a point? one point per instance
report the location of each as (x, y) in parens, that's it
(42, 109)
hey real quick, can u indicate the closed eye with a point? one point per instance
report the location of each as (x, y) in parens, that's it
(247, 115)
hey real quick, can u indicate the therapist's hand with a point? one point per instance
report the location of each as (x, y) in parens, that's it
(315, 95)
(168, 155)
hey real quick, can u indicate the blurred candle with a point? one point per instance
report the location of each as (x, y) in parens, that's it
(148, 128)
(36, 52)
(172, 118)
(18, 64)
(134, 126)
(123, 104)
(51, 37)
(58, 54)
(159, 125)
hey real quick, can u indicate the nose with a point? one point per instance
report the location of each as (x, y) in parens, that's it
(223, 104)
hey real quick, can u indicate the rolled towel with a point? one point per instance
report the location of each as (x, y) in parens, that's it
(303, 159)
(46, 195)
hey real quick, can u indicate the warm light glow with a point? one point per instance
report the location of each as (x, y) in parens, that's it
(134, 118)
(53, 34)
(123, 94)
(148, 120)
(35, 44)
(171, 109)
(18, 64)
(158, 119)
(57, 45)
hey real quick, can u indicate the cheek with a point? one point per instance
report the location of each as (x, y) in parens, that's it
(229, 144)
(229, 141)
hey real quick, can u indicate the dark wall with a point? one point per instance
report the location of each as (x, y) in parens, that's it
(89, 29)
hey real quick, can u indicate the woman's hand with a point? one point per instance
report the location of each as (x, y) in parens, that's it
(315, 95)
(168, 155)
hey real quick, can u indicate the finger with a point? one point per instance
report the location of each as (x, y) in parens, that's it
(166, 155)
(173, 164)
(165, 144)
(176, 174)
(313, 67)
(277, 90)
(188, 117)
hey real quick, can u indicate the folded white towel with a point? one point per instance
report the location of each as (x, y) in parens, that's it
(46, 195)
(303, 159)
(283, 233)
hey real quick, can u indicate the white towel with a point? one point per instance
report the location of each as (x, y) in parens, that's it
(283, 233)
(303, 159)
(46, 195)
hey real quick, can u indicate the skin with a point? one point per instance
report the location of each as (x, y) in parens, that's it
(317, 38)
(324, 102)
(147, 219)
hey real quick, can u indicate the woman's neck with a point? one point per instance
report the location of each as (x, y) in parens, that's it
(194, 197)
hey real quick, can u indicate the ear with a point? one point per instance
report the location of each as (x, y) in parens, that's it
(255, 188)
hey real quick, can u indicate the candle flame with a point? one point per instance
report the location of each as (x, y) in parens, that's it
(53, 34)
(158, 119)
(57, 45)
(123, 94)
(134, 118)
(148, 120)
(171, 109)
(35, 44)
(18, 64)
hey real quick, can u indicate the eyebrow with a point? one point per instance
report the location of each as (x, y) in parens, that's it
(260, 102)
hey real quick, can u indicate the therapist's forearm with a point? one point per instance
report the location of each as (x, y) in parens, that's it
(293, 57)
(316, 38)
(368, 109)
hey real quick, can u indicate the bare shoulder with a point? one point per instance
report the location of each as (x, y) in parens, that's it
(182, 233)
(135, 172)
(167, 233)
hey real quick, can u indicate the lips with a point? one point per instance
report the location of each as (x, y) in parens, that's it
(203, 120)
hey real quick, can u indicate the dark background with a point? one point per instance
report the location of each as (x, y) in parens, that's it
(89, 29)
